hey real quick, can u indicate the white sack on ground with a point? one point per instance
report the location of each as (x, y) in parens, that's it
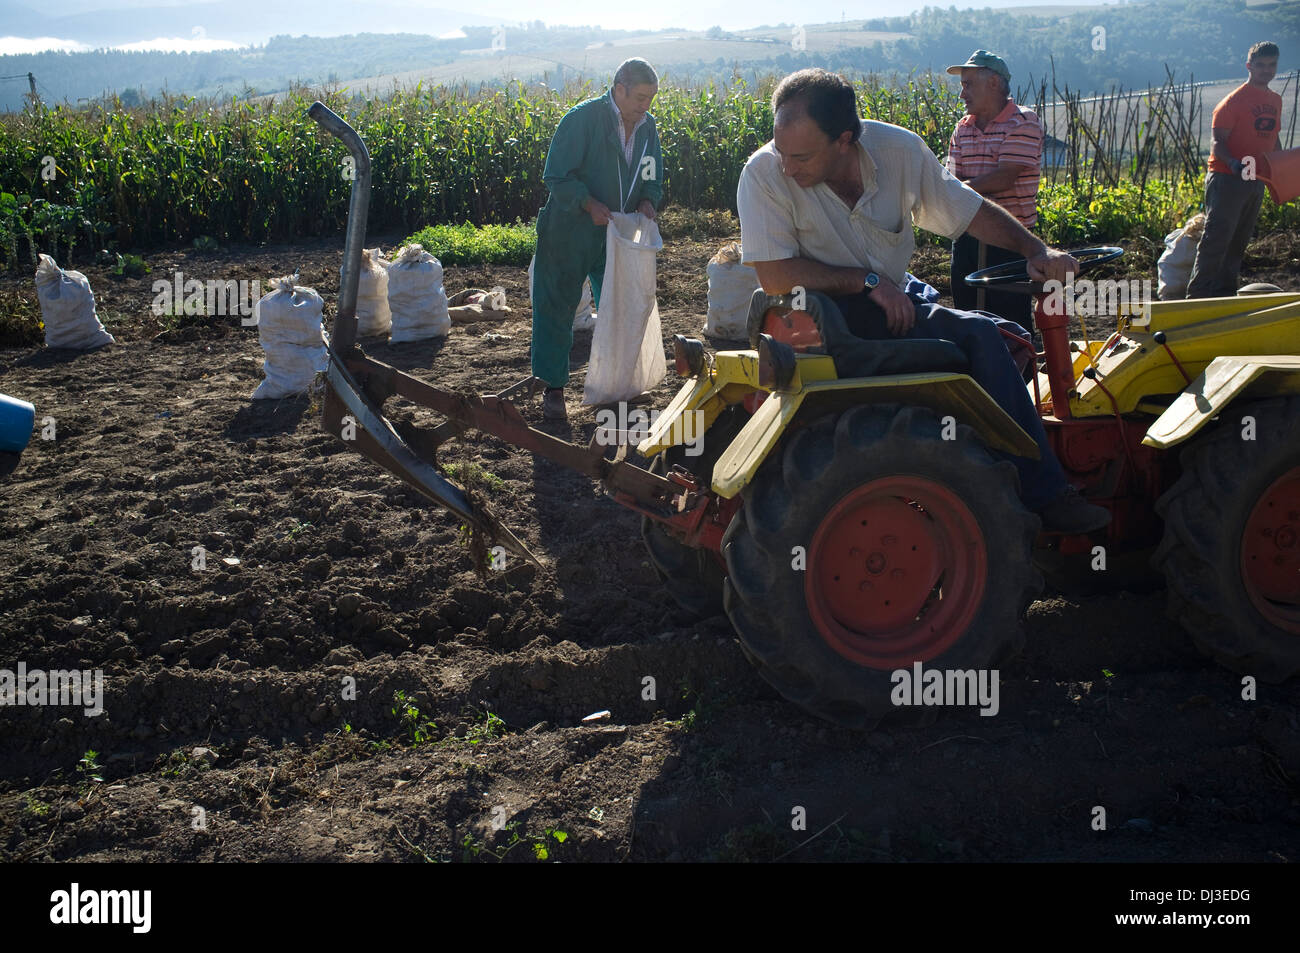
(68, 308)
(627, 348)
(373, 314)
(1174, 269)
(416, 296)
(584, 319)
(731, 285)
(289, 328)
(475, 304)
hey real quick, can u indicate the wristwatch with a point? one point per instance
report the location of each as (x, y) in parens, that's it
(873, 279)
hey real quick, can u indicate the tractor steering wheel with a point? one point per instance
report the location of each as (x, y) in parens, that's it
(1013, 276)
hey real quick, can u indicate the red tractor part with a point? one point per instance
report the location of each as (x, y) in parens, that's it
(1270, 553)
(896, 572)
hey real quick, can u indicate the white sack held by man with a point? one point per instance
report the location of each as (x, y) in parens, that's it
(627, 348)
(1174, 269)
(416, 297)
(731, 286)
(584, 319)
(68, 308)
(289, 328)
(373, 314)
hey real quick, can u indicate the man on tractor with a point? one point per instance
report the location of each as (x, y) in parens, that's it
(828, 205)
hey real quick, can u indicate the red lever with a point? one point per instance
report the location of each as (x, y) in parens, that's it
(1160, 339)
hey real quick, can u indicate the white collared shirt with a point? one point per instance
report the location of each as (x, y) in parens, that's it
(625, 139)
(903, 184)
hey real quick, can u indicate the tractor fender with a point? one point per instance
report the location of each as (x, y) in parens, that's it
(731, 377)
(947, 394)
(679, 422)
(1224, 380)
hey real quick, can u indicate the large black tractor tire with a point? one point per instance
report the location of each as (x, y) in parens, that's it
(1231, 549)
(882, 507)
(693, 577)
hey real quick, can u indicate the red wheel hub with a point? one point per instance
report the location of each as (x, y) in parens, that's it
(1270, 553)
(896, 572)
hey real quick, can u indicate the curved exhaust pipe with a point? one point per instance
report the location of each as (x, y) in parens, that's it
(345, 323)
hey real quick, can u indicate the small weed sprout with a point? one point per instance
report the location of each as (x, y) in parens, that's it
(417, 729)
(90, 771)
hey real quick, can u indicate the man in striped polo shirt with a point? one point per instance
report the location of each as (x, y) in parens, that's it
(996, 149)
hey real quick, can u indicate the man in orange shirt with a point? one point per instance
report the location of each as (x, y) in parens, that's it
(1246, 126)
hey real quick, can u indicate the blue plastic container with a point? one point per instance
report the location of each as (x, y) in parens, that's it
(16, 420)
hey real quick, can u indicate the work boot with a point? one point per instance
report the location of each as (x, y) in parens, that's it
(553, 404)
(1071, 513)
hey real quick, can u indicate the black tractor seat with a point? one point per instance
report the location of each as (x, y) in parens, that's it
(857, 356)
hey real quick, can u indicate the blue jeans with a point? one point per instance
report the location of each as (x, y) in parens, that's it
(991, 366)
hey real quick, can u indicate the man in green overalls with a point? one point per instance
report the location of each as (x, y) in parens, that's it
(604, 158)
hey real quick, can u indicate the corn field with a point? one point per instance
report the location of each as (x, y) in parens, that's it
(180, 169)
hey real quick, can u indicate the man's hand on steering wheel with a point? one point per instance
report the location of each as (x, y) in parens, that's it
(1052, 264)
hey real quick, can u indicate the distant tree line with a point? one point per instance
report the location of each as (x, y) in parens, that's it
(1123, 45)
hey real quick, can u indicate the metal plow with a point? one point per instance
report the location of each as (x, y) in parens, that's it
(357, 387)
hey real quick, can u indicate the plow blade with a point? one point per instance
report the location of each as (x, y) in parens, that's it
(376, 439)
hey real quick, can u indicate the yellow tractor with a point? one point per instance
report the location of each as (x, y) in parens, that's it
(852, 510)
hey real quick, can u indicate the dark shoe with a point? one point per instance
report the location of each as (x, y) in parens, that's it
(1071, 513)
(553, 404)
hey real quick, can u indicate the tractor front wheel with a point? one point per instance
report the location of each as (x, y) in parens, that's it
(870, 543)
(1231, 549)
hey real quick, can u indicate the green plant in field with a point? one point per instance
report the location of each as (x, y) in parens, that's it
(12, 227)
(133, 266)
(20, 320)
(414, 726)
(492, 726)
(478, 245)
(474, 474)
(35, 808)
(181, 170)
(89, 770)
(541, 845)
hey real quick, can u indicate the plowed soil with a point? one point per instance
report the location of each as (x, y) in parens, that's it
(249, 707)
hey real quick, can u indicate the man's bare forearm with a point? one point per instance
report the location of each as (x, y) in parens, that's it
(781, 277)
(999, 180)
(994, 225)
(1219, 147)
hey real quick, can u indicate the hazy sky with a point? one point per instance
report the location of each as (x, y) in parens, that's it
(208, 34)
(702, 14)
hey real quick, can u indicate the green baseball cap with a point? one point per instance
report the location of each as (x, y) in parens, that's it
(985, 59)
